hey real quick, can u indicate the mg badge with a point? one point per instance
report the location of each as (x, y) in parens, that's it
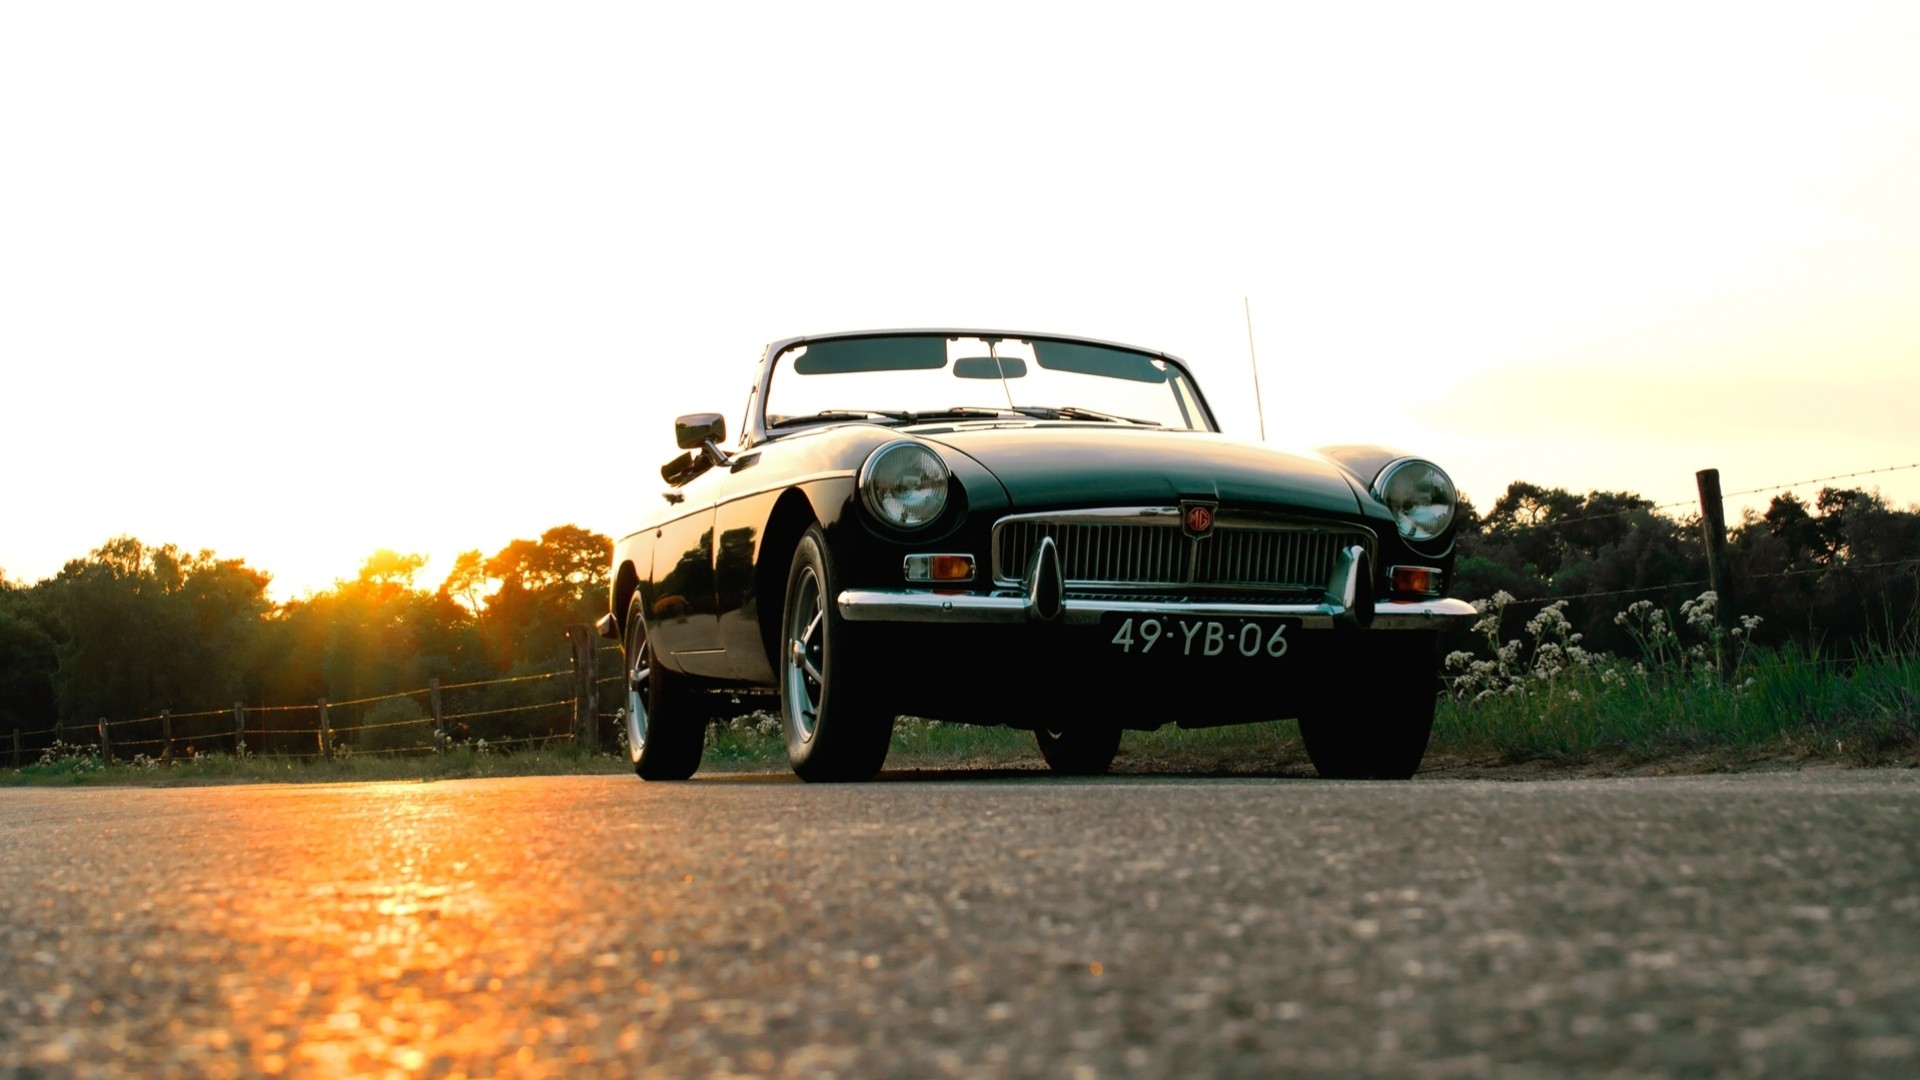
(1198, 519)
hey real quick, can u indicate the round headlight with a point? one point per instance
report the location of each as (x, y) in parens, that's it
(1420, 497)
(904, 484)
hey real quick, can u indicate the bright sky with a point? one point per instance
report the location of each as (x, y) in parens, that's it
(299, 281)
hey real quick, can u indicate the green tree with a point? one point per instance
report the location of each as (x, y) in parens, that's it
(466, 583)
(148, 627)
(544, 586)
(376, 634)
(1836, 576)
(28, 659)
(1539, 543)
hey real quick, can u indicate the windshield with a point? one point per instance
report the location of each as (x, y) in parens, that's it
(912, 377)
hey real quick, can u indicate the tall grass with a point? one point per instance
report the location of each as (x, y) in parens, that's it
(1543, 696)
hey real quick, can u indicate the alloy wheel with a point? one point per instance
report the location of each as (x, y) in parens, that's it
(806, 655)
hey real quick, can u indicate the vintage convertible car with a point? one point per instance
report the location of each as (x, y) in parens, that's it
(1028, 529)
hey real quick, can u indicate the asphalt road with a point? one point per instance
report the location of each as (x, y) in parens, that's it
(1729, 926)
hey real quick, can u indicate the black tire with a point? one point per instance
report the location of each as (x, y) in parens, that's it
(1079, 751)
(1383, 735)
(665, 733)
(835, 712)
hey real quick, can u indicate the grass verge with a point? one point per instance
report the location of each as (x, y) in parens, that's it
(81, 765)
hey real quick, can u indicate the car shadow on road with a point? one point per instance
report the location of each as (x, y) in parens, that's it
(1001, 774)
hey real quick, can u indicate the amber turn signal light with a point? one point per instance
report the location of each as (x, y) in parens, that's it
(1416, 580)
(939, 568)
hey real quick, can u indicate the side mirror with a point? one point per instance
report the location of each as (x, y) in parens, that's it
(696, 430)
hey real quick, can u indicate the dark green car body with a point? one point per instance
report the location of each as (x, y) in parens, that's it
(1123, 574)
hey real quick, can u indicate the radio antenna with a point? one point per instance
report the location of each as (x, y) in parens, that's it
(1259, 410)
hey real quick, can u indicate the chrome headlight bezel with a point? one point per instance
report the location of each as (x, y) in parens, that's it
(1420, 496)
(904, 485)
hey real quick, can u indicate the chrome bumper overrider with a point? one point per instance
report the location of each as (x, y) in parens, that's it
(905, 605)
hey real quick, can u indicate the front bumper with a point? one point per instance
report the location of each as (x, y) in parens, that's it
(915, 606)
(1347, 604)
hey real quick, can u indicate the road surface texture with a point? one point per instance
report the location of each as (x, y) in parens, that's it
(1748, 925)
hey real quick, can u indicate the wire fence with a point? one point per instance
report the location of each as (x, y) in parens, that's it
(534, 709)
(1574, 520)
(1701, 583)
(504, 714)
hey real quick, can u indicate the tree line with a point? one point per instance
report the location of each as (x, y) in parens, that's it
(1835, 577)
(133, 627)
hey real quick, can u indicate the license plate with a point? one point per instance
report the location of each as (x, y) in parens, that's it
(1232, 638)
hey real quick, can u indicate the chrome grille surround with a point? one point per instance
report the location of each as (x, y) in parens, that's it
(1126, 550)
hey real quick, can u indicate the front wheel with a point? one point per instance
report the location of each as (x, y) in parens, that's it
(1382, 734)
(665, 735)
(835, 712)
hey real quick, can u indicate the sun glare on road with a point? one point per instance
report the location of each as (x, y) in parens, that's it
(397, 956)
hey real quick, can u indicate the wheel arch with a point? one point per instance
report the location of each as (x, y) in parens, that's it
(626, 581)
(792, 515)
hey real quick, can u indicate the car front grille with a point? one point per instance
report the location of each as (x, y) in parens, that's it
(1147, 549)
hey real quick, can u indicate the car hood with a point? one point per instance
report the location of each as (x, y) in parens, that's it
(1101, 465)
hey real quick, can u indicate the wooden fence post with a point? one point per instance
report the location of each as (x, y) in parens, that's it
(239, 728)
(1713, 524)
(166, 734)
(439, 728)
(16, 748)
(326, 733)
(59, 731)
(586, 696)
(106, 744)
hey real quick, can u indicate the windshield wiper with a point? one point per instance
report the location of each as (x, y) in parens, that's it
(898, 415)
(963, 411)
(905, 416)
(1074, 412)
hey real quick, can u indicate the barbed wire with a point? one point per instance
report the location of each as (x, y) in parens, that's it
(135, 720)
(263, 734)
(1802, 572)
(369, 727)
(509, 709)
(565, 736)
(1837, 568)
(1584, 519)
(1607, 592)
(1694, 503)
(247, 709)
(498, 682)
(1821, 480)
(377, 697)
(1780, 486)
